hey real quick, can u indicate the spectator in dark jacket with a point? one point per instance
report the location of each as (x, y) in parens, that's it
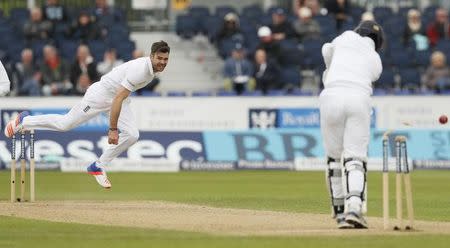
(83, 65)
(271, 46)
(85, 29)
(340, 9)
(281, 28)
(413, 26)
(230, 28)
(37, 28)
(266, 73)
(440, 28)
(26, 75)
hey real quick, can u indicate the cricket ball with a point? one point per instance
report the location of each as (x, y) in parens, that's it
(443, 119)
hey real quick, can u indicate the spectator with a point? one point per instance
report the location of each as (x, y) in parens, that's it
(84, 64)
(109, 62)
(440, 28)
(104, 14)
(238, 71)
(37, 28)
(55, 73)
(82, 85)
(26, 75)
(313, 5)
(305, 27)
(266, 73)
(280, 27)
(54, 12)
(267, 43)
(340, 9)
(230, 29)
(437, 71)
(414, 29)
(85, 29)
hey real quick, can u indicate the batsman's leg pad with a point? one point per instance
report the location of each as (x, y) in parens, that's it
(356, 179)
(335, 185)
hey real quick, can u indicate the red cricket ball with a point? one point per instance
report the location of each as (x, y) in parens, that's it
(443, 119)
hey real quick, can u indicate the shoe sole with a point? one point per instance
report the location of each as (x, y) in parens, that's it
(355, 221)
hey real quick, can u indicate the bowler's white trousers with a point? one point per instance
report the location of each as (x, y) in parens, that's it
(96, 100)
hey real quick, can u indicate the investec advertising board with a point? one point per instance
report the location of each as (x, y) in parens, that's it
(226, 133)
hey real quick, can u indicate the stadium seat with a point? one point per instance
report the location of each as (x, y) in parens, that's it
(150, 93)
(18, 16)
(291, 55)
(291, 76)
(202, 93)
(222, 10)
(386, 80)
(356, 13)
(422, 58)
(125, 49)
(252, 93)
(199, 14)
(226, 93)
(379, 92)
(185, 26)
(274, 92)
(176, 93)
(97, 48)
(252, 12)
(300, 92)
(401, 59)
(409, 78)
(212, 25)
(382, 13)
(68, 48)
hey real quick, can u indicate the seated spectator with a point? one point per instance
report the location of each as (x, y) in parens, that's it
(414, 29)
(267, 43)
(82, 85)
(55, 73)
(85, 29)
(305, 27)
(238, 71)
(54, 12)
(313, 5)
(26, 76)
(104, 14)
(440, 28)
(109, 62)
(280, 27)
(266, 73)
(340, 9)
(438, 70)
(84, 64)
(230, 28)
(37, 28)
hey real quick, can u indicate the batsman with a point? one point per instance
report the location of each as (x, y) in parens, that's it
(352, 65)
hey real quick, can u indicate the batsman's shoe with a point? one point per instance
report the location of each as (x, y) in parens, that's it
(341, 223)
(356, 219)
(15, 125)
(100, 175)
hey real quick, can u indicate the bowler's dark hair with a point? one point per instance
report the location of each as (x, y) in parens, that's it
(160, 47)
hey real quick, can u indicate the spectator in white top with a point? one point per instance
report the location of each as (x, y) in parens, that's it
(109, 62)
(5, 84)
(109, 95)
(352, 65)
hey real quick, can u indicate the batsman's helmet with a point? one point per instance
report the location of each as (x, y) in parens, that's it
(372, 30)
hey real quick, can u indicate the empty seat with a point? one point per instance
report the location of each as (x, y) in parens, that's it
(410, 78)
(176, 93)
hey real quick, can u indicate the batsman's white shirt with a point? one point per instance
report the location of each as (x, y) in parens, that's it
(132, 75)
(4, 81)
(352, 64)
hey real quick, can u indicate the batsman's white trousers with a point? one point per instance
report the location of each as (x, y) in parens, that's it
(345, 122)
(96, 100)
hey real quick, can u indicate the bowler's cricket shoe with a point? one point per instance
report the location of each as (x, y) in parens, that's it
(14, 126)
(100, 175)
(356, 219)
(341, 223)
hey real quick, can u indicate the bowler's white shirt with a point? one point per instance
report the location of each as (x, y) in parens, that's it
(132, 75)
(351, 61)
(4, 81)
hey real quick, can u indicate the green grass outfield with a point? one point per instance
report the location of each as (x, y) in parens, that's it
(264, 190)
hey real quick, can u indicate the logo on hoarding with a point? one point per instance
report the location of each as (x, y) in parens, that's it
(263, 118)
(298, 117)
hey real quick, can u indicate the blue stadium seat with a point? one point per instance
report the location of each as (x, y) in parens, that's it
(68, 48)
(212, 25)
(401, 59)
(291, 55)
(176, 93)
(125, 49)
(300, 92)
(410, 78)
(252, 93)
(252, 12)
(356, 13)
(150, 93)
(443, 45)
(199, 14)
(382, 13)
(422, 58)
(185, 26)
(18, 16)
(222, 10)
(274, 92)
(202, 93)
(379, 92)
(97, 48)
(226, 93)
(291, 76)
(38, 48)
(403, 11)
(386, 80)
